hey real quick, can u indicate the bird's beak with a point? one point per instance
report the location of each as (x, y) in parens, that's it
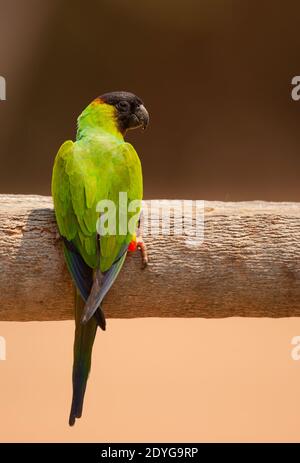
(143, 116)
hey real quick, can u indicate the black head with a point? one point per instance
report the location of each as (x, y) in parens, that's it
(131, 112)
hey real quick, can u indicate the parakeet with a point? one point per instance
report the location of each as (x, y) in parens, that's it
(99, 166)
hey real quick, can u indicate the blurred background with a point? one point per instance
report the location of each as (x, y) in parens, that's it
(216, 78)
(214, 74)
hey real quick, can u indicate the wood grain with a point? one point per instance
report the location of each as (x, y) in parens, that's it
(247, 265)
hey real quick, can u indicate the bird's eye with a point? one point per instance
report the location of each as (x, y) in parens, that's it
(123, 105)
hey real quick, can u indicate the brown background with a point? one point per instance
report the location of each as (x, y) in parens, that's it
(214, 74)
(216, 78)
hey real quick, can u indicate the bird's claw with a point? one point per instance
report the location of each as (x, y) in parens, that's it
(143, 250)
(138, 244)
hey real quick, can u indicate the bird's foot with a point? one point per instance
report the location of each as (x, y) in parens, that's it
(143, 250)
(138, 244)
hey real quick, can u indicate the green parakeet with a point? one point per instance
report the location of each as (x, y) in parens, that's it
(98, 167)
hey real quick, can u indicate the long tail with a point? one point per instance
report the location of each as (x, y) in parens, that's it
(83, 345)
(89, 295)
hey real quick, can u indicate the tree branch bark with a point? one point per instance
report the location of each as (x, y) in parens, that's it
(248, 265)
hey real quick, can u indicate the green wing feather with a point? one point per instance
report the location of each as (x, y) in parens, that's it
(86, 172)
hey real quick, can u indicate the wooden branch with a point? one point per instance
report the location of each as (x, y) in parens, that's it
(248, 265)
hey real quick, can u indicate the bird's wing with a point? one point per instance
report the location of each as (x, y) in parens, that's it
(125, 187)
(73, 190)
(127, 178)
(83, 176)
